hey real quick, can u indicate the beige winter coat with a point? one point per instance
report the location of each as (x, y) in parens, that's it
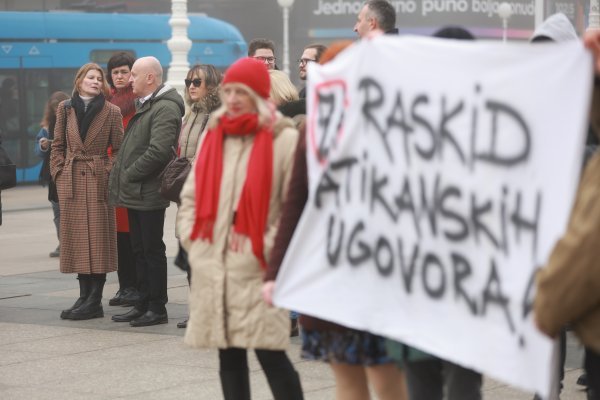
(226, 307)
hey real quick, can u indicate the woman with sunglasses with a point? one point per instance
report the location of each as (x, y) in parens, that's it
(202, 98)
(230, 208)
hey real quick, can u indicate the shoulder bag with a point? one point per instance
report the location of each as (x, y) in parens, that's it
(173, 177)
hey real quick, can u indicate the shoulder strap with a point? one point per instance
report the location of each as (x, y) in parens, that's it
(67, 106)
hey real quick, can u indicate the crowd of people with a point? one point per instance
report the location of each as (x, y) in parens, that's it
(243, 133)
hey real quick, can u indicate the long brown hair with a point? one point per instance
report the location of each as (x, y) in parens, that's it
(49, 118)
(212, 79)
(83, 72)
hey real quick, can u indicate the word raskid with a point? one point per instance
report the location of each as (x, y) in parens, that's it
(431, 139)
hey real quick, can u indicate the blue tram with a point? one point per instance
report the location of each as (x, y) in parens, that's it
(41, 51)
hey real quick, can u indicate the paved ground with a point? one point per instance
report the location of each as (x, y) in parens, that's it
(44, 357)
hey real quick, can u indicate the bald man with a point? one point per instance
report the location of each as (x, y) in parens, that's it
(134, 184)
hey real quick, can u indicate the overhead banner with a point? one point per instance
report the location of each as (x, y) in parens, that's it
(441, 174)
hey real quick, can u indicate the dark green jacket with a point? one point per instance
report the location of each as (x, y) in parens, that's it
(145, 151)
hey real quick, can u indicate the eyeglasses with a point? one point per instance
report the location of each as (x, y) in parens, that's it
(197, 82)
(269, 60)
(304, 61)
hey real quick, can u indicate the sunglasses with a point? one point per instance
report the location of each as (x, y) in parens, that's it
(197, 82)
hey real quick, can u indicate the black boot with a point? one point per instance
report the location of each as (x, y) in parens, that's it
(235, 384)
(285, 384)
(92, 306)
(84, 291)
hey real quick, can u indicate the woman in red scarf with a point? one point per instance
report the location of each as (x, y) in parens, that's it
(230, 207)
(121, 95)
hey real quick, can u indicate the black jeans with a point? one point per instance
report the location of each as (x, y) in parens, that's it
(149, 250)
(426, 380)
(592, 369)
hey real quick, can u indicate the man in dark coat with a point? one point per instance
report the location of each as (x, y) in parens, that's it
(134, 184)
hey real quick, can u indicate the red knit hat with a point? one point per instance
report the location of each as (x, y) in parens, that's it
(251, 73)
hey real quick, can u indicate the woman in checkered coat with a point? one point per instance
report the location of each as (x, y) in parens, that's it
(86, 126)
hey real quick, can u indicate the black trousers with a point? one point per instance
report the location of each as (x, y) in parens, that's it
(126, 272)
(426, 380)
(236, 359)
(281, 375)
(149, 250)
(592, 369)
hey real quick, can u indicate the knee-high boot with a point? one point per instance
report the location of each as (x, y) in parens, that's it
(235, 384)
(92, 306)
(84, 291)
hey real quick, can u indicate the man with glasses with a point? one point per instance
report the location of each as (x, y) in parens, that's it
(311, 53)
(263, 50)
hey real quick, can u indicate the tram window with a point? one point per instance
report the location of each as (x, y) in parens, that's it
(102, 56)
(9, 114)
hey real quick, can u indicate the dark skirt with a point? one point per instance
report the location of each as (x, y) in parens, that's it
(347, 347)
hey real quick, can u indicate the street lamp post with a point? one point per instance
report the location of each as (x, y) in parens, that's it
(286, 5)
(539, 12)
(594, 17)
(504, 12)
(179, 45)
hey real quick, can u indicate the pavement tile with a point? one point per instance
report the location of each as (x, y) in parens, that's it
(82, 342)
(20, 333)
(209, 389)
(29, 393)
(10, 356)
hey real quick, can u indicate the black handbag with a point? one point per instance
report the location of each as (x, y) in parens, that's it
(173, 177)
(8, 171)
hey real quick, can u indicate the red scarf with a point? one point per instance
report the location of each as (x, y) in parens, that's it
(253, 207)
(125, 100)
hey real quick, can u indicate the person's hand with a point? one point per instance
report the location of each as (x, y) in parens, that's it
(267, 292)
(44, 143)
(591, 40)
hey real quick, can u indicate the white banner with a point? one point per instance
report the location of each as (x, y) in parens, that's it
(441, 175)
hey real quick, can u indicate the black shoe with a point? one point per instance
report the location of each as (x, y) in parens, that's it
(150, 318)
(55, 253)
(128, 316)
(130, 297)
(582, 380)
(116, 301)
(182, 324)
(125, 297)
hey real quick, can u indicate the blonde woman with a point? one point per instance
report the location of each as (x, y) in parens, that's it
(282, 89)
(86, 126)
(230, 207)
